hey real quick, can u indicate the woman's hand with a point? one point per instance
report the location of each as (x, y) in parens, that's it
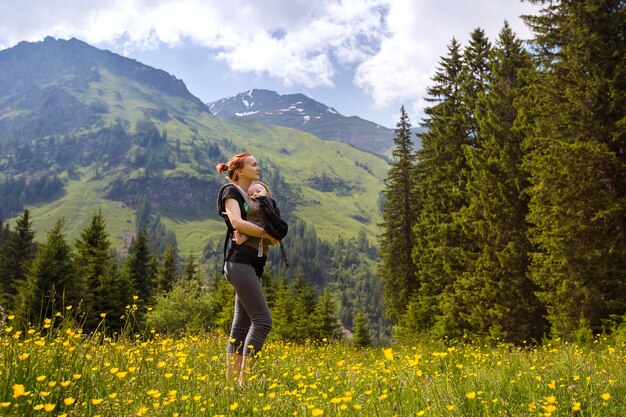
(239, 238)
(270, 238)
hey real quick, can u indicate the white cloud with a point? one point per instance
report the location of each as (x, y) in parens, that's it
(312, 35)
(393, 44)
(421, 31)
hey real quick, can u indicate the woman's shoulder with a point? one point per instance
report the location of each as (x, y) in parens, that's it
(227, 191)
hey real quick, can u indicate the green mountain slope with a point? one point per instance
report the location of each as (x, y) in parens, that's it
(114, 131)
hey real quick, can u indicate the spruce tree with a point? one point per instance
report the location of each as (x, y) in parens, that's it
(398, 219)
(222, 301)
(283, 312)
(361, 335)
(107, 292)
(4, 233)
(324, 318)
(191, 272)
(139, 270)
(50, 282)
(304, 305)
(577, 164)
(475, 78)
(495, 298)
(167, 273)
(15, 257)
(442, 179)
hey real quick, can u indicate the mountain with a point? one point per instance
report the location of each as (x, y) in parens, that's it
(301, 112)
(46, 84)
(83, 129)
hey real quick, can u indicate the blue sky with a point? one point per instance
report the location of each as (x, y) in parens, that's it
(363, 57)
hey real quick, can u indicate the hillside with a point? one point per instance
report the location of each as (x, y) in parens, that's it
(301, 112)
(82, 129)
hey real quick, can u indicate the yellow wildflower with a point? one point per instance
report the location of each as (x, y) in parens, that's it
(18, 390)
(388, 353)
(576, 406)
(471, 395)
(234, 406)
(69, 401)
(317, 412)
(49, 407)
(605, 396)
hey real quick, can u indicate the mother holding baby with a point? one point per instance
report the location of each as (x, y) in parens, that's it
(243, 263)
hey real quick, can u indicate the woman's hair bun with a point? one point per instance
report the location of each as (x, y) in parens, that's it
(221, 167)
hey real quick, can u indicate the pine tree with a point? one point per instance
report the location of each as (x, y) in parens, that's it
(15, 256)
(577, 164)
(495, 297)
(4, 233)
(108, 293)
(50, 282)
(139, 269)
(304, 305)
(283, 312)
(361, 337)
(167, 273)
(324, 319)
(191, 272)
(475, 78)
(222, 302)
(442, 179)
(398, 219)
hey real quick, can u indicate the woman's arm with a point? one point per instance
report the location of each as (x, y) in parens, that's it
(244, 226)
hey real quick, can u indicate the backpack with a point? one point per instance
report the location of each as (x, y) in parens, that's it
(221, 211)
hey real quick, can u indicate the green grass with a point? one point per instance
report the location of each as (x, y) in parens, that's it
(307, 157)
(299, 156)
(72, 374)
(77, 205)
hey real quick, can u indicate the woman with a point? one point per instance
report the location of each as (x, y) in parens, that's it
(243, 265)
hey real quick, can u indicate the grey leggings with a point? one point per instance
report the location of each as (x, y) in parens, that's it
(252, 321)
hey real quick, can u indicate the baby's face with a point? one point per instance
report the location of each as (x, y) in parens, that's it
(256, 191)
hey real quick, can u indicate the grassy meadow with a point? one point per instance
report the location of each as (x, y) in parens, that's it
(55, 370)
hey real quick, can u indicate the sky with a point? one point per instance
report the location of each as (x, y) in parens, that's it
(365, 58)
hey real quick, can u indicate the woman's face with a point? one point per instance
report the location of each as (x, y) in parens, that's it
(250, 169)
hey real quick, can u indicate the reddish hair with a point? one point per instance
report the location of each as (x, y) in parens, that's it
(235, 163)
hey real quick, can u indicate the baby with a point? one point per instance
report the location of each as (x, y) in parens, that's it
(257, 189)
(270, 214)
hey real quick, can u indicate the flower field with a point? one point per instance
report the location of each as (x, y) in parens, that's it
(58, 371)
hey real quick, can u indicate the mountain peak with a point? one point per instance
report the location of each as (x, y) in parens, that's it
(56, 85)
(75, 59)
(301, 112)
